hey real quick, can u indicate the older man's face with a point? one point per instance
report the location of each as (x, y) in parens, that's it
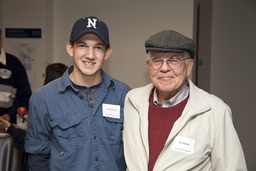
(168, 79)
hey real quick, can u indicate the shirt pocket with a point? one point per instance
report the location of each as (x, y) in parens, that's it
(67, 132)
(113, 130)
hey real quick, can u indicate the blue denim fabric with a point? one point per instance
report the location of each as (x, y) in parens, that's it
(63, 134)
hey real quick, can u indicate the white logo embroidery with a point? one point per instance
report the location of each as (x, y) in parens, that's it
(92, 23)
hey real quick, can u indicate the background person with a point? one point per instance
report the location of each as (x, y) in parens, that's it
(15, 89)
(53, 71)
(75, 122)
(171, 124)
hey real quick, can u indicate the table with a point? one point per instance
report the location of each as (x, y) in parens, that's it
(10, 158)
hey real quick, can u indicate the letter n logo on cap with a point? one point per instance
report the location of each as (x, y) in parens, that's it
(91, 23)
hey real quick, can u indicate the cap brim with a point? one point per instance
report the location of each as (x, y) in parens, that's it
(156, 49)
(90, 31)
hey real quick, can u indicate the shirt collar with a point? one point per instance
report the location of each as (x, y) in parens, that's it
(179, 97)
(66, 82)
(3, 56)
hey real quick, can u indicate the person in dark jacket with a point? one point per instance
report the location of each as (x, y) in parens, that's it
(15, 89)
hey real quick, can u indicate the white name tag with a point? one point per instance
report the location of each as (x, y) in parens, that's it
(184, 145)
(112, 111)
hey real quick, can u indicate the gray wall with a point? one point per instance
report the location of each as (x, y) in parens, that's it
(233, 64)
(30, 14)
(227, 62)
(130, 24)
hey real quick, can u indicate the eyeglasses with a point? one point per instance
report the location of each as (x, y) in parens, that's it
(173, 62)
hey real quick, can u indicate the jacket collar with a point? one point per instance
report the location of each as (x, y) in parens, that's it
(196, 105)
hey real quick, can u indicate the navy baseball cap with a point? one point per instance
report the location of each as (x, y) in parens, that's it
(90, 25)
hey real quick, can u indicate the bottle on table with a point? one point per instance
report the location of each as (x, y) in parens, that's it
(22, 118)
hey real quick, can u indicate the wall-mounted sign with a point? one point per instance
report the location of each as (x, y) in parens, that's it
(22, 33)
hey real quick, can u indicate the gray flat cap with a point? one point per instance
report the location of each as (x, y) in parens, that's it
(170, 41)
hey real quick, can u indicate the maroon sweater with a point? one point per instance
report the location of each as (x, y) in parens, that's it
(161, 121)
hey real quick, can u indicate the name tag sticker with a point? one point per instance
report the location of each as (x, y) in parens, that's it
(184, 145)
(112, 111)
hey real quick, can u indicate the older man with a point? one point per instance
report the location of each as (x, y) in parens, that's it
(171, 124)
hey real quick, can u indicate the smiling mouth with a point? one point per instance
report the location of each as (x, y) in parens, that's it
(89, 63)
(165, 78)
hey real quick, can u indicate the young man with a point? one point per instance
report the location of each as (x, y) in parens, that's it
(171, 124)
(15, 89)
(76, 121)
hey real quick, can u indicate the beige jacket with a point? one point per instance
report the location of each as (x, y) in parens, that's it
(203, 138)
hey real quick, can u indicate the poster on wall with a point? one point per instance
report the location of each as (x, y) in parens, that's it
(26, 52)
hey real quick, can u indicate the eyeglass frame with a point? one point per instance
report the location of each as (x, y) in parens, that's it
(179, 60)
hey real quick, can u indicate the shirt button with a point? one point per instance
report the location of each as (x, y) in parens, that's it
(81, 97)
(61, 153)
(96, 159)
(94, 137)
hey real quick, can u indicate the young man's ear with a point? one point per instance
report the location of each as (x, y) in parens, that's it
(69, 48)
(108, 53)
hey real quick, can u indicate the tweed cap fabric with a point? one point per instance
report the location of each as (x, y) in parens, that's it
(170, 41)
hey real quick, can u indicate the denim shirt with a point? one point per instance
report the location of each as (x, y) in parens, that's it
(63, 134)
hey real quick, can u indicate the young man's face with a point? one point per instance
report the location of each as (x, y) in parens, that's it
(89, 54)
